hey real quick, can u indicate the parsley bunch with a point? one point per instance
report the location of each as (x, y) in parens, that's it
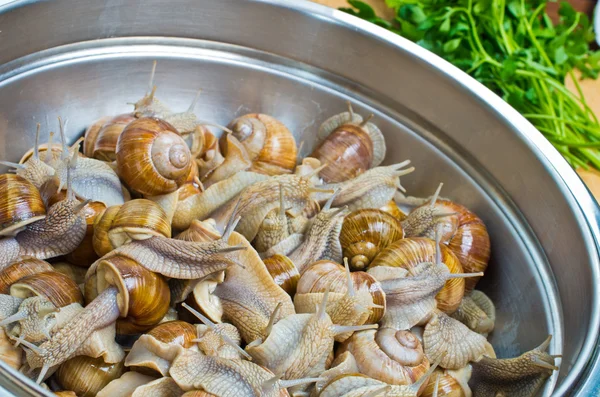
(513, 48)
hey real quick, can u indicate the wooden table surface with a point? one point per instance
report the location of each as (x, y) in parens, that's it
(591, 88)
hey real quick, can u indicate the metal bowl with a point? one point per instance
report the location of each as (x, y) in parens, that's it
(300, 62)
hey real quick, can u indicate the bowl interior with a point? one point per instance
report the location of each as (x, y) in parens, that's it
(84, 82)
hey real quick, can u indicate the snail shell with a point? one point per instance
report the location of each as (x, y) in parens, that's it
(152, 158)
(9, 353)
(102, 223)
(143, 296)
(138, 219)
(464, 233)
(20, 269)
(59, 289)
(391, 356)
(84, 255)
(91, 135)
(284, 272)
(449, 383)
(392, 208)
(105, 143)
(365, 233)
(198, 393)
(269, 143)
(86, 376)
(153, 352)
(323, 275)
(203, 298)
(20, 204)
(409, 253)
(349, 146)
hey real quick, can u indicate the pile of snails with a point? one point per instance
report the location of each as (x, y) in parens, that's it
(170, 256)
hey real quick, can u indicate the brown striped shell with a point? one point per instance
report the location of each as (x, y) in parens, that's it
(323, 275)
(152, 157)
(20, 204)
(408, 253)
(138, 220)
(143, 297)
(174, 332)
(58, 288)
(269, 143)
(391, 356)
(365, 233)
(21, 268)
(91, 135)
(349, 146)
(464, 233)
(106, 140)
(284, 272)
(86, 376)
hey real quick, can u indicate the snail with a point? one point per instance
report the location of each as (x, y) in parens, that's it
(412, 300)
(284, 272)
(452, 342)
(19, 269)
(409, 253)
(349, 145)
(228, 378)
(177, 258)
(389, 355)
(322, 238)
(104, 141)
(365, 233)
(143, 296)
(249, 295)
(152, 158)
(59, 233)
(270, 145)
(137, 219)
(33, 168)
(522, 376)
(358, 385)
(56, 287)
(463, 232)
(20, 204)
(86, 376)
(372, 189)
(300, 345)
(477, 312)
(155, 350)
(148, 105)
(354, 298)
(449, 383)
(91, 135)
(34, 321)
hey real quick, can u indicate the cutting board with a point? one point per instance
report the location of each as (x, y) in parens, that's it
(591, 88)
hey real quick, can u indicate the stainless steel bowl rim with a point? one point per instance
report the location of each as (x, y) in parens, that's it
(586, 370)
